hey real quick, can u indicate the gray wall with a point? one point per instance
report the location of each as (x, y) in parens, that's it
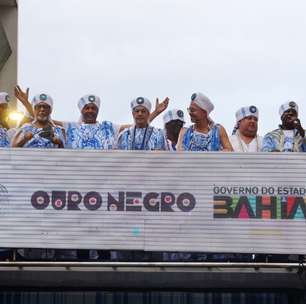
(9, 22)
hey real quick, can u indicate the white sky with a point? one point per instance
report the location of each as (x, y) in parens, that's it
(237, 52)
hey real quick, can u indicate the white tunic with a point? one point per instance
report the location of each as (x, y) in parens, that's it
(240, 146)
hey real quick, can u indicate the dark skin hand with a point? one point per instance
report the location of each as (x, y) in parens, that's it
(47, 132)
(23, 97)
(299, 127)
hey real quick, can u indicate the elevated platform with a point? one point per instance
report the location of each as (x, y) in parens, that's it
(178, 276)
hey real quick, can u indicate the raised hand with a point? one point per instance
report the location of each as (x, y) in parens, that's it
(161, 106)
(298, 126)
(23, 97)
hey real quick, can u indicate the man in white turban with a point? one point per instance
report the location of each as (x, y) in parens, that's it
(141, 136)
(41, 132)
(173, 123)
(290, 136)
(245, 138)
(89, 133)
(204, 134)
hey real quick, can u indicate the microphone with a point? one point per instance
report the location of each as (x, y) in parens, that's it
(296, 122)
(298, 127)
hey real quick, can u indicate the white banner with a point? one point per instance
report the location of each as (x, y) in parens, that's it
(211, 202)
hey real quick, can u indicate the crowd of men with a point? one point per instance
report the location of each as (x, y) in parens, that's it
(40, 130)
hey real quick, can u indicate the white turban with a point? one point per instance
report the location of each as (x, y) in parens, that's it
(288, 105)
(203, 102)
(141, 101)
(45, 98)
(87, 99)
(174, 114)
(4, 98)
(245, 112)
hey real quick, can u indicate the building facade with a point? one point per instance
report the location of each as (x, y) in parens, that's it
(8, 46)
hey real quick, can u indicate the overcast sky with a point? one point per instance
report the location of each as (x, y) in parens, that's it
(237, 52)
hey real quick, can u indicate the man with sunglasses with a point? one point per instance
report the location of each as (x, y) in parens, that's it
(204, 135)
(41, 132)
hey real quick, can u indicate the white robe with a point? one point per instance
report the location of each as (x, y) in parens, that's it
(240, 146)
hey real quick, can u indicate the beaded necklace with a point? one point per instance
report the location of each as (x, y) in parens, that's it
(241, 144)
